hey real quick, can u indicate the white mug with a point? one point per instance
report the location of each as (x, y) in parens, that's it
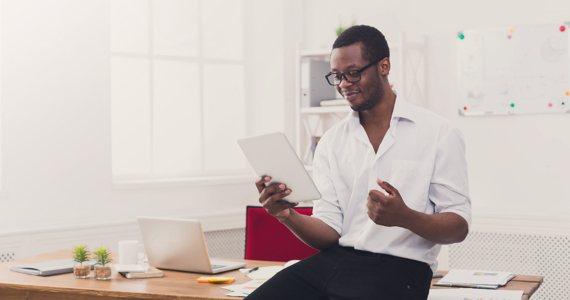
(129, 252)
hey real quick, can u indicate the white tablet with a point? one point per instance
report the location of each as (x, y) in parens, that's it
(272, 155)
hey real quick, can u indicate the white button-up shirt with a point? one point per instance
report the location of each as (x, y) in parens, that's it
(422, 155)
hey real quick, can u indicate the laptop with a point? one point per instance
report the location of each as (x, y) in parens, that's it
(179, 244)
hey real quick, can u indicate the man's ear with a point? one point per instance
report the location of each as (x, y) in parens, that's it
(384, 67)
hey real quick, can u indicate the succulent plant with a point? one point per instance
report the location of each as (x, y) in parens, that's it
(80, 254)
(103, 256)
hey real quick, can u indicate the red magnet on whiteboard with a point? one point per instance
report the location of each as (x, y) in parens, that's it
(464, 107)
(562, 28)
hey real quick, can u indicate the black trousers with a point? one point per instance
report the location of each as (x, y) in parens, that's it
(345, 273)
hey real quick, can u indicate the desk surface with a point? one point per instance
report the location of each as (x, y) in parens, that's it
(174, 285)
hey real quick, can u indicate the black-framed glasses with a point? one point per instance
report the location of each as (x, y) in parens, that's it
(352, 76)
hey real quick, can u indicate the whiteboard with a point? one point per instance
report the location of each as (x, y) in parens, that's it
(518, 70)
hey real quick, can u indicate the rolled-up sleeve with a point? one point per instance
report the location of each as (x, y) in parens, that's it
(449, 187)
(327, 209)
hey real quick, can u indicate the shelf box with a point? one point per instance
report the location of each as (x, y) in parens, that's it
(325, 109)
(322, 53)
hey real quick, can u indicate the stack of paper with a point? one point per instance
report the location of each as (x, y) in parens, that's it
(263, 273)
(242, 290)
(259, 276)
(151, 272)
(475, 279)
(130, 268)
(473, 294)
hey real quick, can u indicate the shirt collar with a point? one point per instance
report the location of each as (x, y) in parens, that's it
(402, 109)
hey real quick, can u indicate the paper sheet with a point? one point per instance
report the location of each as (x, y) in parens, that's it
(242, 290)
(259, 276)
(476, 277)
(263, 273)
(473, 294)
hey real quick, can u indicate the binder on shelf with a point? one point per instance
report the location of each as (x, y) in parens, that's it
(314, 86)
(334, 102)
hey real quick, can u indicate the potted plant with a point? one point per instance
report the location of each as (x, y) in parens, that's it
(81, 269)
(341, 28)
(102, 266)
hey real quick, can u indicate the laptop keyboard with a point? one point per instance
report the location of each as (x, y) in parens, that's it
(214, 267)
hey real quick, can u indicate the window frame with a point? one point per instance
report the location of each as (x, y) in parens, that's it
(203, 176)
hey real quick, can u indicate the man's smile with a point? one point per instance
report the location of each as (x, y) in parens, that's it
(350, 95)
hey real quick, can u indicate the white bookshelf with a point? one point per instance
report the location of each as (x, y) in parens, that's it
(314, 121)
(325, 110)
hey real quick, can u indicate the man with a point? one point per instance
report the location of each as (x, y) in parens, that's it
(393, 180)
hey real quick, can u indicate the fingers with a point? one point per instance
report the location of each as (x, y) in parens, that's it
(279, 205)
(260, 184)
(369, 204)
(377, 196)
(274, 192)
(376, 204)
(275, 208)
(372, 211)
(387, 187)
(376, 209)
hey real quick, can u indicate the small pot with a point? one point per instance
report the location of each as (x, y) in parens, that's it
(81, 270)
(103, 272)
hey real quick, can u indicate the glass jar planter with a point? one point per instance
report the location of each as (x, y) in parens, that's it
(102, 272)
(81, 270)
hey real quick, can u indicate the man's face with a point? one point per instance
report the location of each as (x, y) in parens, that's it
(364, 94)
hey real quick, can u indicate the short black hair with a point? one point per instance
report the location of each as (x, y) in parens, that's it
(374, 46)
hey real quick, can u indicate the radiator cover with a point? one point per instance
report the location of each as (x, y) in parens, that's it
(226, 243)
(542, 255)
(7, 256)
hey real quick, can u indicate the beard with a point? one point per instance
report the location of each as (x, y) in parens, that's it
(373, 98)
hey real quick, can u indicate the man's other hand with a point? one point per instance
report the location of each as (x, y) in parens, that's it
(270, 198)
(387, 210)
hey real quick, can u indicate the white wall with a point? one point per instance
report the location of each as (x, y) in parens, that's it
(517, 164)
(267, 56)
(56, 143)
(56, 122)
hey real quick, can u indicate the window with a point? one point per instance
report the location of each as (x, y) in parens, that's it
(177, 88)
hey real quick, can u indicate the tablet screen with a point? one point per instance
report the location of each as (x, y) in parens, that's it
(272, 155)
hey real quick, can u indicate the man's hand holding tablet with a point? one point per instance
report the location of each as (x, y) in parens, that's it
(270, 198)
(282, 175)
